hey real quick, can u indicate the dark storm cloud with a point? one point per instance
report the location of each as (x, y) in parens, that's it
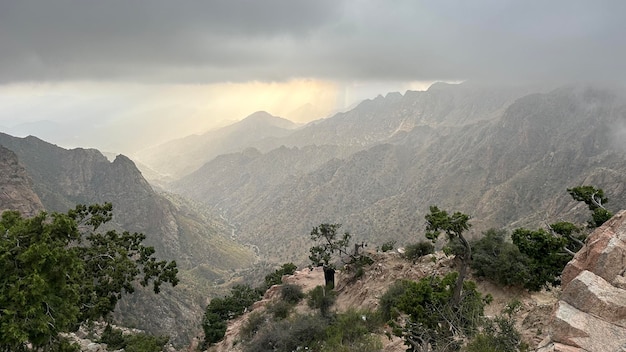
(213, 41)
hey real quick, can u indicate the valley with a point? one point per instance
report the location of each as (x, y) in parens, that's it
(231, 205)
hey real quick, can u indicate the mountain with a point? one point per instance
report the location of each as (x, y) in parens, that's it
(16, 188)
(503, 155)
(182, 156)
(178, 229)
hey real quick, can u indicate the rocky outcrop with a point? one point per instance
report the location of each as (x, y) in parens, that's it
(591, 313)
(16, 192)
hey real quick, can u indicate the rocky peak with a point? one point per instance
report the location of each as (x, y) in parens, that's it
(591, 313)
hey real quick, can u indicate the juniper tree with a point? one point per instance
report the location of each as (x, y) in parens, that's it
(57, 272)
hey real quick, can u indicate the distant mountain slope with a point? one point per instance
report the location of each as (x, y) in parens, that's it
(370, 122)
(380, 119)
(201, 246)
(501, 160)
(182, 156)
(16, 188)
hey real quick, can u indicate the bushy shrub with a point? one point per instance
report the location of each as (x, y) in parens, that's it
(546, 256)
(141, 342)
(113, 338)
(145, 343)
(499, 334)
(499, 261)
(321, 298)
(388, 246)
(432, 318)
(276, 277)
(279, 309)
(349, 331)
(414, 251)
(214, 327)
(255, 322)
(65, 345)
(300, 333)
(389, 301)
(346, 332)
(220, 310)
(357, 266)
(291, 293)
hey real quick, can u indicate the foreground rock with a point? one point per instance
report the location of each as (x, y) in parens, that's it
(591, 314)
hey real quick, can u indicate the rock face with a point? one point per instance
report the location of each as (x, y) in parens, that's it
(591, 314)
(16, 188)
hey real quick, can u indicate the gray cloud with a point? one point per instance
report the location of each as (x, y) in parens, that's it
(213, 41)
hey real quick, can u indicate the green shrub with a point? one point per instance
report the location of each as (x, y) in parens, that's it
(433, 320)
(113, 338)
(214, 328)
(220, 310)
(546, 256)
(322, 299)
(499, 334)
(388, 302)
(388, 246)
(291, 293)
(141, 342)
(65, 345)
(599, 217)
(417, 250)
(279, 309)
(145, 343)
(300, 333)
(357, 266)
(276, 277)
(350, 327)
(499, 261)
(346, 332)
(255, 322)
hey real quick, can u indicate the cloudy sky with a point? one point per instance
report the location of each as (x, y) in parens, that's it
(169, 68)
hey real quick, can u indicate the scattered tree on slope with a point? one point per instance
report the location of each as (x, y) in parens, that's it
(332, 249)
(595, 200)
(453, 225)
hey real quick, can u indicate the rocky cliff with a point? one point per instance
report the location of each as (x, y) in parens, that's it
(16, 188)
(591, 312)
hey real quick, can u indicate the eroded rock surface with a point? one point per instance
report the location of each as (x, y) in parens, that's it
(591, 313)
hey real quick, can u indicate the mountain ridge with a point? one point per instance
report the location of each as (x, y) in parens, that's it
(520, 152)
(179, 157)
(178, 230)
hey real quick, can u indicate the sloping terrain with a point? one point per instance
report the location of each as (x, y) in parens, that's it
(364, 294)
(505, 159)
(178, 229)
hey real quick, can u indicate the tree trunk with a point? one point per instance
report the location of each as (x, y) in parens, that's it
(465, 261)
(329, 278)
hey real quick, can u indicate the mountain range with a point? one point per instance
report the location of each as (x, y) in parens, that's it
(253, 191)
(504, 155)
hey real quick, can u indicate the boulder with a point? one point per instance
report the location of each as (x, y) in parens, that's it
(591, 313)
(604, 253)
